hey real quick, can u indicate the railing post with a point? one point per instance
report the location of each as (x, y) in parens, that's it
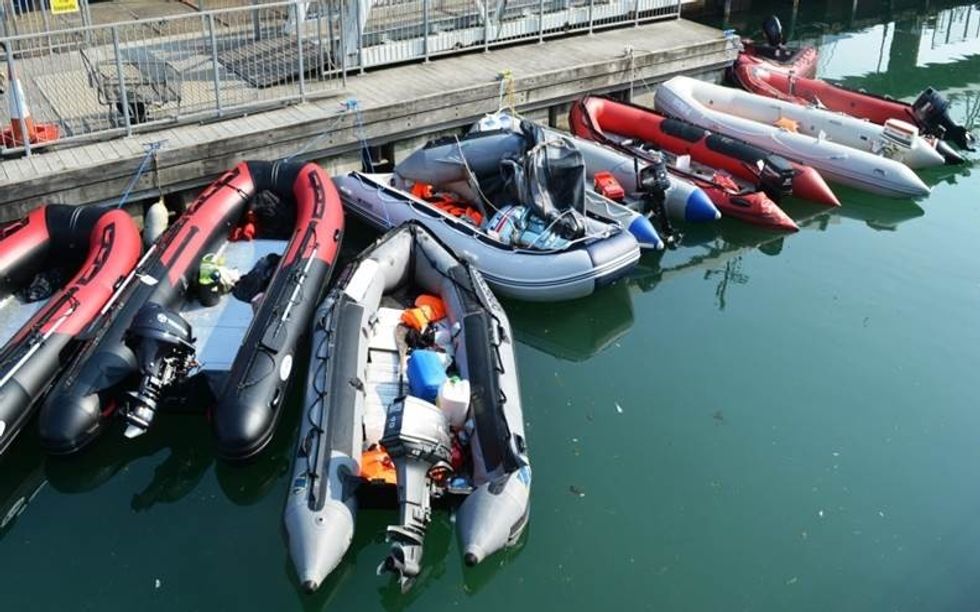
(591, 14)
(343, 45)
(425, 29)
(300, 18)
(214, 62)
(636, 13)
(256, 23)
(122, 81)
(540, 21)
(360, 37)
(486, 26)
(47, 26)
(321, 60)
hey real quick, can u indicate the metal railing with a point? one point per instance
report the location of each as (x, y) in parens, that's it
(117, 78)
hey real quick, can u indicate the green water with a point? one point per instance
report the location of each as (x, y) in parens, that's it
(791, 426)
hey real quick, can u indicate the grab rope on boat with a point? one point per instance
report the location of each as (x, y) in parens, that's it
(151, 153)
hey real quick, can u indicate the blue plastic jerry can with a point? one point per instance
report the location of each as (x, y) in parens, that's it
(426, 373)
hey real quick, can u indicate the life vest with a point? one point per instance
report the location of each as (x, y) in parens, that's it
(447, 203)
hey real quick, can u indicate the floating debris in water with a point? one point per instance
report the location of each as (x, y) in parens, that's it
(576, 491)
(820, 513)
(157, 583)
(718, 416)
(619, 408)
(792, 580)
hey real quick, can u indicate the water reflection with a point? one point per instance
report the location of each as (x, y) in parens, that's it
(367, 550)
(717, 252)
(577, 330)
(187, 441)
(900, 47)
(21, 479)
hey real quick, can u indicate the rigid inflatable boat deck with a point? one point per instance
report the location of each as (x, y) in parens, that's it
(219, 329)
(14, 313)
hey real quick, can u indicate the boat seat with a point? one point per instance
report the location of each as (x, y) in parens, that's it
(383, 382)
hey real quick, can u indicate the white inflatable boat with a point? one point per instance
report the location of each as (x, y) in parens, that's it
(846, 150)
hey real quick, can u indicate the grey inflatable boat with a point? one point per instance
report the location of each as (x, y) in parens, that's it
(368, 424)
(516, 210)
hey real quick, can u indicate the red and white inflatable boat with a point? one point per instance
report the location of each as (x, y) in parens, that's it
(607, 120)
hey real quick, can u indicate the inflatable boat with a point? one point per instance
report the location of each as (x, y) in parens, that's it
(430, 413)
(40, 337)
(154, 335)
(609, 121)
(801, 136)
(929, 112)
(896, 139)
(733, 197)
(776, 55)
(512, 204)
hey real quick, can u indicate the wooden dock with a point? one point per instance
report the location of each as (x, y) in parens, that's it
(397, 104)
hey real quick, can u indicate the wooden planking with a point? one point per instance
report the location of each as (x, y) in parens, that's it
(399, 102)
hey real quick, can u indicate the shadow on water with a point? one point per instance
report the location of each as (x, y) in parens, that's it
(187, 438)
(575, 330)
(370, 534)
(21, 478)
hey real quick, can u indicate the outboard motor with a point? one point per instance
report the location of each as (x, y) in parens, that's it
(417, 439)
(931, 111)
(163, 344)
(653, 183)
(776, 178)
(773, 31)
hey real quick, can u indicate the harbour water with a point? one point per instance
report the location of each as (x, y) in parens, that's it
(749, 422)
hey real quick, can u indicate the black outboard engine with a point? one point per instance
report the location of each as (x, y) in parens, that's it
(931, 112)
(163, 344)
(773, 31)
(653, 183)
(776, 178)
(417, 439)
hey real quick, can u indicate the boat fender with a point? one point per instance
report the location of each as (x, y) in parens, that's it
(155, 221)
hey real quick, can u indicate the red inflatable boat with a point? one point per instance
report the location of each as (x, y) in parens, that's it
(775, 55)
(607, 120)
(929, 112)
(623, 127)
(35, 353)
(800, 61)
